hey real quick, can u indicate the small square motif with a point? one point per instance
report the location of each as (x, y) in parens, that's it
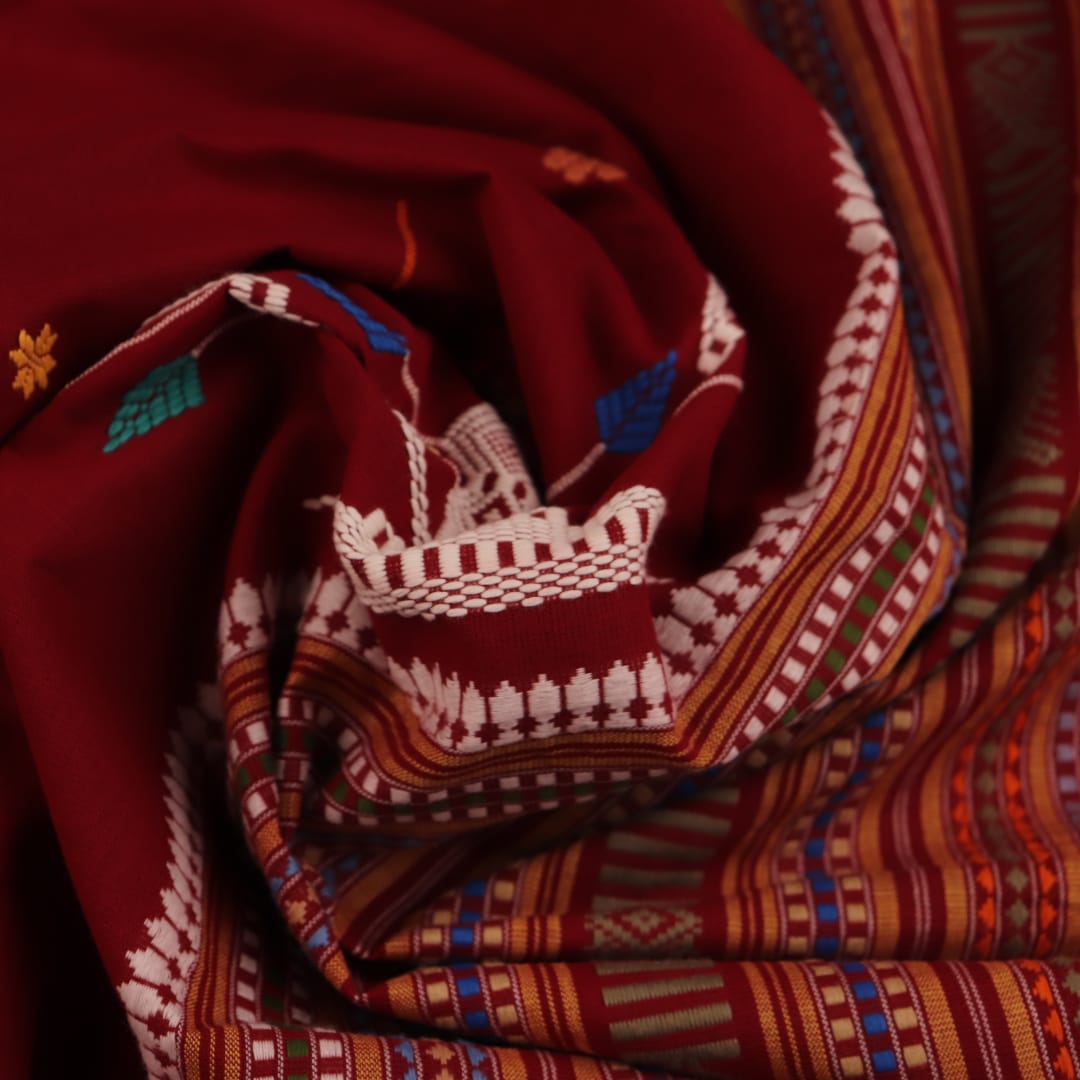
(875, 1024)
(843, 1029)
(884, 1060)
(262, 1049)
(914, 1056)
(905, 1018)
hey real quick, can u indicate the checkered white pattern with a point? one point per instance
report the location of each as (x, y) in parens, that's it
(526, 559)
(263, 294)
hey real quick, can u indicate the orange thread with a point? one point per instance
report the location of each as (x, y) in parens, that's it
(409, 241)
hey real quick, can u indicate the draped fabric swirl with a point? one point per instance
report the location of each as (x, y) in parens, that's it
(540, 541)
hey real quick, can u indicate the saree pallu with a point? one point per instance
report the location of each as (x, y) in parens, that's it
(578, 578)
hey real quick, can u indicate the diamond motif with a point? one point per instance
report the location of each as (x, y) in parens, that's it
(1017, 878)
(1018, 913)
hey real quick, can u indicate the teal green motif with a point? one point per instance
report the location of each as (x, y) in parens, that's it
(165, 393)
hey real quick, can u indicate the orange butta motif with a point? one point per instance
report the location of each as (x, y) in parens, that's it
(33, 359)
(577, 167)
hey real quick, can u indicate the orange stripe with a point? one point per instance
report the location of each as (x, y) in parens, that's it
(929, 76)
(894, 162)
(409, 240)
(840, 522)
(772, 1020)
(941, 1039)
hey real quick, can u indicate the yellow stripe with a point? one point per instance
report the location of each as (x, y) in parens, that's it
(1013, 547)
(626, 875)
(531, 882)
(1007, 982)
(634, 967)
(1022, 515)
(367, 1054)
(992, 575)
(602, 904)
(512, 1067)
(769, 1023)
(646, 1027)
(633, 844)
(1027, 485)
(533, 994)
(976, 606)
(568, 1007)
(381, 878)
(567, 878)
(657, 988)
(724, 1049)
(941, 1038)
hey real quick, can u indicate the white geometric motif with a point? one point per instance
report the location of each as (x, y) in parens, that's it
(720, 333)
(465, 719)
(495, 482)
(160, 969)
(357, 535)
(245, 621)
(416, 452)
(333, 612)
(525, 559)
(264, 294)
(249, 616)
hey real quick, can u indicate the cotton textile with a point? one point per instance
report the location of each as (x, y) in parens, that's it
(578, 578)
